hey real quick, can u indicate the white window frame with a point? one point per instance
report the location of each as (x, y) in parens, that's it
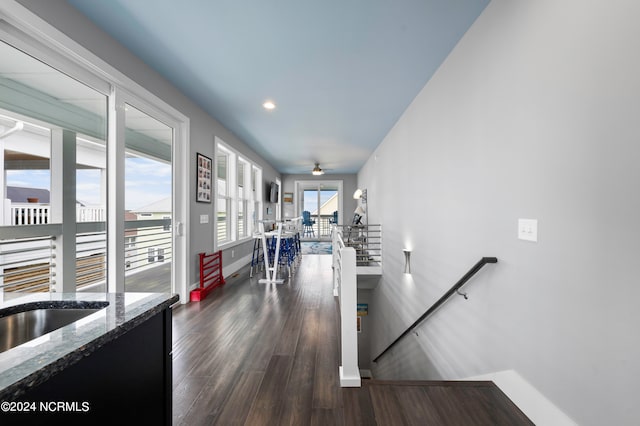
(244, 199)
(228, 196)
(41, 40)
(278, 203)
(252, 191)
(256, 198)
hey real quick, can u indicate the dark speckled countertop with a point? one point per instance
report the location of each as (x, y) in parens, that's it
(34, 362)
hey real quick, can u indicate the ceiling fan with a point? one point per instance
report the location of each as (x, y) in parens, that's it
(317, 171)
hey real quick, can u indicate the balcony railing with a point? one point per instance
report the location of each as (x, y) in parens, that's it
(367, 242)
(40, 214)
(28, 263)
(322, 226)
(150, 245)
(91, 259)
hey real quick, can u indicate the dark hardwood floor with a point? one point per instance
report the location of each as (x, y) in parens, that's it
(256, 354)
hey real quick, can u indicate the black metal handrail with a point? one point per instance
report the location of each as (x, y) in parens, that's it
(443, 299)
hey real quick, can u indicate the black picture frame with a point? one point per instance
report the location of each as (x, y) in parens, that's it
(204, 174)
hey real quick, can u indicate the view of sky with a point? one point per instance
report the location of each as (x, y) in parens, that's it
(146, 181)
(311, 199)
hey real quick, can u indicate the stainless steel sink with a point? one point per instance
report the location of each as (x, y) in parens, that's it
(21, 327)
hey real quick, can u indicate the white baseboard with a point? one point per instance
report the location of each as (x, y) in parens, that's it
(533, 404)
(234, 267)
(349, 381)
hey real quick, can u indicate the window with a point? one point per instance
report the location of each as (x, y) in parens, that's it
(129, 250)
(243, 198)
(67, 116)
(256, 197)
(52, 160)
(151, 255)
(223, 204)
(238, 198)
(278, 204)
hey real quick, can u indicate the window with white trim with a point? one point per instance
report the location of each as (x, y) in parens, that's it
(256, 197)
(278, 203)
(84, 119)
(239, 196)
(223, 198)
(243, 198)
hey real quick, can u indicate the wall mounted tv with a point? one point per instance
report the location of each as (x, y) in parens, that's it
(272, 192)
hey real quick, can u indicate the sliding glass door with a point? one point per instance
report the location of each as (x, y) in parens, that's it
(148, 203)
(92, 165)
(52, 166)
(321, 202)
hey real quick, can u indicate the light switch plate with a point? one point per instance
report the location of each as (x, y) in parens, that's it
(528, 229)
(204, 218)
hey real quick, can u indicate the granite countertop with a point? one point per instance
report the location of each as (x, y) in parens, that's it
(34, 362)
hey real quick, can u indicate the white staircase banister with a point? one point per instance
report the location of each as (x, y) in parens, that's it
(349, 371)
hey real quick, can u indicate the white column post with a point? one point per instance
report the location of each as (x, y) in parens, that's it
(115, 195)
(4, 218)
(103, 184)
(4, 212)
(63, 207)
(349, 371)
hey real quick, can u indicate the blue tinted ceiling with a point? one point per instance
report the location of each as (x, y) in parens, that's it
(341, 72)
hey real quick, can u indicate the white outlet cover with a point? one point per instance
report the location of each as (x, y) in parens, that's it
(528, 229)
(204, 218)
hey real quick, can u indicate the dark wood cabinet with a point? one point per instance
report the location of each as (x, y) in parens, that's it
(126, 381)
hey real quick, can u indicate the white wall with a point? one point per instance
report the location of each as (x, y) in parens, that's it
(535, 114)
(203, 128)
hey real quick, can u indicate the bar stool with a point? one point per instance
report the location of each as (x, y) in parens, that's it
(257, 257)
(307, 224)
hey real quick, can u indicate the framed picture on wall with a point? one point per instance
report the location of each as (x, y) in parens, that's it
(204, 172)
(288, 197)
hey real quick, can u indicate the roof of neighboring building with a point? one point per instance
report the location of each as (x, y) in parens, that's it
(19, 194)
(329, 206)
(160, 206)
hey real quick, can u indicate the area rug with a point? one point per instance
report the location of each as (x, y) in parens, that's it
(316, 247)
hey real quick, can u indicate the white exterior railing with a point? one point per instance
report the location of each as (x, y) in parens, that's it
(28, 259)
(40, 214)
(345, 288)
(91, 214)
(29, 214)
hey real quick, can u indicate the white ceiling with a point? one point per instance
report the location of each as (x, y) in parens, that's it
(341, 72)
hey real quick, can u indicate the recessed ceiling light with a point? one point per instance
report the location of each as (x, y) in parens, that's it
(269, 105)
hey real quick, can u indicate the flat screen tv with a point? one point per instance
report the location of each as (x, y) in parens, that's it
(273, 192)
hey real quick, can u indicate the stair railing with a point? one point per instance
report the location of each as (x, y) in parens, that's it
(453, 290)
(345, 288)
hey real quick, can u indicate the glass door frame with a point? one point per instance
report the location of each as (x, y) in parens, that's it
(316, 185)
(118, 100)
(38, 38)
